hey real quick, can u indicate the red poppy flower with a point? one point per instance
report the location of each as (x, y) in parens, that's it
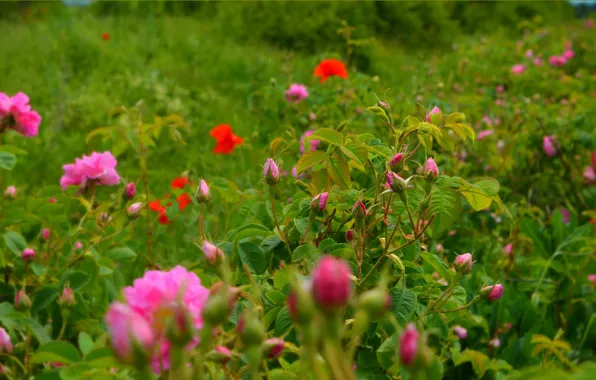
(329, 68)
(179, 182)
(105, 36)
(157, 207)
(226, 140)
(183, 201)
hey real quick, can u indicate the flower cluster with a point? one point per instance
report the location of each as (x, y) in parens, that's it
(95, 169)
(16, 113)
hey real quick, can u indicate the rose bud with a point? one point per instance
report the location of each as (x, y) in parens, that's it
(395, 182)
(463, 263)
(273, 347)
(46, 233)
(396, 162)
(10, 192)
(28, 254)
(493, 292)
(131, 334)
(250, 329)
(319, 202)
(180, 330)
(460, 332)
(349, 235)
(408, 345)
(212, 253)
(430, 168)
(331, 284)
(22, 301)
(5, 344)
(130, 190)
(220, 354)
(202, 194)
(134, 210)
(434, 116)
(271, 172)
(67, 298)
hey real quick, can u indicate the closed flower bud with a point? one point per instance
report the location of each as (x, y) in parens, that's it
(250, 329)
(434, 116)
(78, 245)
(319, 202)
(396, 162)
(134, 210)
(212, 253)
(220, 303)
(395, 182)
(271, 172)
(359, 211)
(28, 254)
(180, 330)
(67, 298)
(463, 263)
(273, 347)
(349, 235)
(130, 190)
(493, 292)
(439, 248)
(45, 233)
(460, 332)
(408, 345)
(508, 249)
(375, 302)
(592, 278)
(10, 192)
(202, 194)
(300, 304)
(331, 284)
(22, 301)
(220, 354)
(549, 146)
(131, 334)
(430, 168)
(5, 344)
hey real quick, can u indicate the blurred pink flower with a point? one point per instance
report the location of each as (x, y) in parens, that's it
(484, 134)
(128, 329)
(5, 344)
(16, 113)
(500, 88)
(568, 54)
(408, 345)
(460, 332)
(589, 174)
(313, 143)
(529, 53)
(549, 146)
(508, 249)
(98, 168)
(557, 60)
(518, 69)
(331, 284)
(296, 93)
(566, 214)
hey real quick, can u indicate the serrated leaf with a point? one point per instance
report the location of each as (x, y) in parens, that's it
(462, 130)
(15, 242)
(328, 135)
(478, 359)
(38, 330)
(270, 316)
(339, 171)
(475, 195)
(57, 351)
(304, 251)
(43, 298)
(436, 263)
(356, 151)
(445, 204)
(403, 304)
(283, 322)
(387, 352)
(253, 256)
(276, 297)
(454, 118)
(270, 243)
(309, 159)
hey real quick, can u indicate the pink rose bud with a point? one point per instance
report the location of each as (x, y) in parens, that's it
(460, 332)
(273, 347)
(203, 195)
(408, 345)
(548, 144)
(320, 201)
(131, 334)
(396, 161)
(518, 69)
(28, 254)
(494, 292)
(134, 210)
(331, 284)
(495, 342)
(463, 263)
(45, 233)
(395, 182)
(22, 301)
(592, 278)
(221, 354)
(5, 344)
(359, 208)
(67, 298)
(500, 88)
(589, 174)
(349, 235)
(271, 172)
(434, 116)
(439, 248)
(508, 249)
(130, 190)
(180, 329)
(10, 192)
(431, 168)
(212, 253)
(78, 245)
(529, 53)
(52, 200)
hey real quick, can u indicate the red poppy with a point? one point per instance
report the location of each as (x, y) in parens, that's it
(226, 140)
(105, 36)
(183, 201)
(179, 182)
(329, 68)
(157, 207)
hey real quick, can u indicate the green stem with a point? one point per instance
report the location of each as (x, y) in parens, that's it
(62, 329)
(281, 234)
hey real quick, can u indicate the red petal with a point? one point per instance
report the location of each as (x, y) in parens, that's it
(179, 183)
(221, 132)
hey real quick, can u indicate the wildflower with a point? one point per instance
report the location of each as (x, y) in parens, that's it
(537, 61)
(568, 54)
(296, 93)
(529, 53)
(518, 69)
(495, 342)
(313, 143)
(28, 254)
(408, 345)
(225, 139)
(98, 168)
(331, 284)
(500, 88)
(161, 210)
(78, 245)
(549, 146)
(271, 172)
(329, 68)
(592, 278)
(16, 113)
(463, 263)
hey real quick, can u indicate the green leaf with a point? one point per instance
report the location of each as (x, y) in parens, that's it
(276, 297)
(121, 253)
(38, 330)
(454, 118)
(475, 195)
(489, 185)
(15, 242)
(14, 150)
(77, 371)
(435, 370)
(437, 263)
(309, 159)
(7, 160)
(446, 205)
(57, 351)
(304, 251)
(43, 298)
(270, 316)
(101, 357)
(270, 243)
(85, 342)
(356, 150)
(387, 352)
(328, 135)
(339, 171)
(253, 256)
(283, 322)
(462, 130)
(76, 280)
(403, 303)
(478, 359)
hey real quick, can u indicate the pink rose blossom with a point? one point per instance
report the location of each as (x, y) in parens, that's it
(483, 134)
(313, 143)
(128, 329)
(202, 194)
(98, 168)
(28, 254)
(568, 54)
(296, 93)
(439, 248)
(16, 113)
(500, 88)
(495, 292)
(557, 61)
(134, 210)
(518, 69)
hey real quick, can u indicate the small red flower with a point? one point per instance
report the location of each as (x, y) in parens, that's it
(225, 138)
(157, 207)
(179, 182)
(183, 201)
(329, 68)
(105, 36)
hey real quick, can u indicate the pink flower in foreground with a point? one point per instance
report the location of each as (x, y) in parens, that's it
(331, 284)
(313, 143)
(155, 297)
(129, 332)
(483, 134)
(518, 69)
(16, 113)
(461, 332)
(5, 344)
(549, 146)
(67, 298)
(98, 168)
(408, 345)
(296, 93)
(589, 174)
